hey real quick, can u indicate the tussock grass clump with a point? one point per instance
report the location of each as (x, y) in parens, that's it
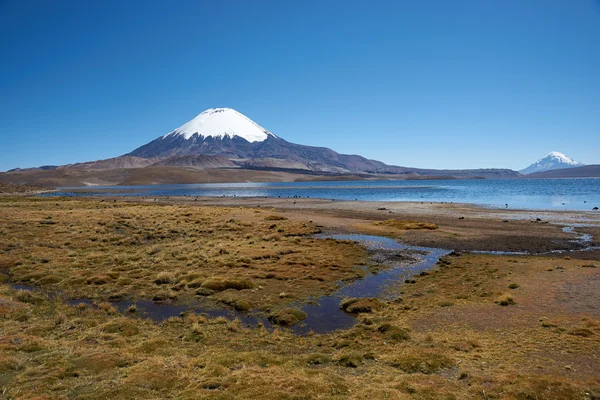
(505, 300)
(195, 283)
(32, 276)
(407, 225)
(27, 296)
(107, 307)
(8, 363)
(196, 333)
(318, 359)
(421, 361)
(164, 278)
(357, 305)
(98, 362)
(394, 333)
(164, 296)
(242, 306)
(275, 217)
(583, 332)
(123, 326)
(234, 326)
(219, 284)
(49, 280)
(288, 316)
(350, 360)
(99, 280)
(220, 320)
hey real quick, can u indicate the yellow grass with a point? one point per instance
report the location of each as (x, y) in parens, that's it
(545, 346)
(111, 250)
(406, 225)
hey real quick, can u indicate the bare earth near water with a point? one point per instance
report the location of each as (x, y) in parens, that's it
(461, 226)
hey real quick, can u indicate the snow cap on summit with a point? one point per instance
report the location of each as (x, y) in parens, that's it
(552, 160)
(222, 122)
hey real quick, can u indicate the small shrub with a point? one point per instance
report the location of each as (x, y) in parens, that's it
(513, 286)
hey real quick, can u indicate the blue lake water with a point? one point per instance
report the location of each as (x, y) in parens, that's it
(551, 194)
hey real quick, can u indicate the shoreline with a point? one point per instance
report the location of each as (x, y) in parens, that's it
(462, 227)
(121, 193)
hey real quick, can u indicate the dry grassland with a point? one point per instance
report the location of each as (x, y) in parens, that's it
(448, 337)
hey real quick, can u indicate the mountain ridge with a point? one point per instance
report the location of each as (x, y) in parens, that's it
(551, 161)
(223, 145)
(198, 136)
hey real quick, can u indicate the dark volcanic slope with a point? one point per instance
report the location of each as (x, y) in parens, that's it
(198, 161)
(315, 158)
(283, 154)
(588, 171)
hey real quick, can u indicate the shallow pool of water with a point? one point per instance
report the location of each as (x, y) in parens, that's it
(324, 313)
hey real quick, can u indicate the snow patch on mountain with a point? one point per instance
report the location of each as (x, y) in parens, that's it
(220, 123)
(553, 160)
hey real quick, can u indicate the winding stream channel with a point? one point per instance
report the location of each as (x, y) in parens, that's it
(323, 313)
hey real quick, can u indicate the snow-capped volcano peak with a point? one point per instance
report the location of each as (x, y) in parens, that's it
(220, 123)
(552, 160)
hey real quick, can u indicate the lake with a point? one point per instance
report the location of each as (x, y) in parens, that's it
(547, 194)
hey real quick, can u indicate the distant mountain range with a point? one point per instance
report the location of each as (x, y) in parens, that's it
(553, 160)
(222, 145)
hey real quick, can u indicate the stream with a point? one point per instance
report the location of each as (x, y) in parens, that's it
(323, 313)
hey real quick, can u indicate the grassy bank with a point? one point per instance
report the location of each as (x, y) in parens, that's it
(477, 326)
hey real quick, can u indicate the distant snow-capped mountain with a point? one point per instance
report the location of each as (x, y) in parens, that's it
(227, 133)
(223, 145)
(232, 136)
(220, 123)
(553, 160)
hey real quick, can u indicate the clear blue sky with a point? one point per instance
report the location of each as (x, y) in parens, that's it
(440, 84)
